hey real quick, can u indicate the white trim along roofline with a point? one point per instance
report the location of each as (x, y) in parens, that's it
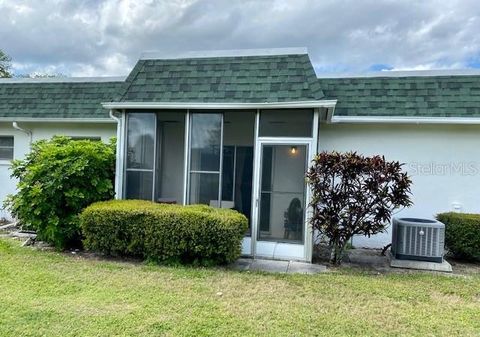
(56, 120)
(101, 79)
(404, 120)
(213, 106)
(402, 73)
(332, 120)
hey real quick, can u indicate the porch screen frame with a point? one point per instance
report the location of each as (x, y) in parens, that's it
(188, 148)
(312, 143)
(125, 169)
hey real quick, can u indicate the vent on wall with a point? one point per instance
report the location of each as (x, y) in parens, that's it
(418, 239)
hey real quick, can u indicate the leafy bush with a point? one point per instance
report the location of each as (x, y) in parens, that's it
(57, 179)
(462, 234)
(354, 195)
(173, 233)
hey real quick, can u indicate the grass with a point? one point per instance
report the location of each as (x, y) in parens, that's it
(53, 294)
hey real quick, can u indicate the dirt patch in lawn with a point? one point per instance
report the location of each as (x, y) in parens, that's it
(464, 267)
(372, 261)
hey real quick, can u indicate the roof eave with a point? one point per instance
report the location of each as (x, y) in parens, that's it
(56, 120)
(46, 80)
(214, 106)
(404, 120)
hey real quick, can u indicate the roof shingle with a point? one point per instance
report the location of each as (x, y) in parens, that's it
(244, 79)
(267, 78)
(37, 99)
(411, 96)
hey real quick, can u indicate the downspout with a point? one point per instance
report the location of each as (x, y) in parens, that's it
(27, 132)
(117, 166)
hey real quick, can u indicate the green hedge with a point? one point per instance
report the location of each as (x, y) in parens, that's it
(187, 234)
(462, 234)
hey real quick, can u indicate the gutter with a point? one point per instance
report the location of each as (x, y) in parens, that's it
(25, 131)
(213, 106)
(56, 120)
(404, 120)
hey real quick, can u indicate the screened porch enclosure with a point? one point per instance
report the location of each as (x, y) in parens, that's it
(198, 157)
(252, 161)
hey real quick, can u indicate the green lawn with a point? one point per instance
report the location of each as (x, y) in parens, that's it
(52, 294)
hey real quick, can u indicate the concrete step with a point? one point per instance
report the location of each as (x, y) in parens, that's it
(275, 266)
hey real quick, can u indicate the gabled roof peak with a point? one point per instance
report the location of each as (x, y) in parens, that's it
(157, 55)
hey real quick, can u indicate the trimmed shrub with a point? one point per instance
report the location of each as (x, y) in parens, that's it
(56, 180)
(462, 234)
(196, 234)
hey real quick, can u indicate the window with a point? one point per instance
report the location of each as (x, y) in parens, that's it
(92, 138)
(169, 166)
(155, 156)
(286, 123)
(6, 147)
(205, 158)
(140, 155)
(237, 175)
(221, 159)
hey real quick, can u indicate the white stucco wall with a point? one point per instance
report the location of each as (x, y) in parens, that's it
(43, 131)
(443, 161)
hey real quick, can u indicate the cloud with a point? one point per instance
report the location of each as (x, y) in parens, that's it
(105, 37)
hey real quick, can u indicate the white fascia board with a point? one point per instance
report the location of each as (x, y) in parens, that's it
(63, 79)
(56, 120)
(404, 120)
(213, 106)
(403, 73)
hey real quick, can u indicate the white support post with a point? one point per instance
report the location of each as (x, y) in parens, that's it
(117, 155)
(186, 158)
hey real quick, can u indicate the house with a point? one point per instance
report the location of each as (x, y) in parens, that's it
(237, 129)
(34, 109)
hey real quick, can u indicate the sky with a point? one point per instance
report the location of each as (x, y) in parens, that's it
(106, 37)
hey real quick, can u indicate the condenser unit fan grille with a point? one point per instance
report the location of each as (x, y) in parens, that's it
(418, 239)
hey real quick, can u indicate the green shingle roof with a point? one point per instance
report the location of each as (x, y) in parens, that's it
(232, 79)
(245, 79)
(54, 99)
(410, 96)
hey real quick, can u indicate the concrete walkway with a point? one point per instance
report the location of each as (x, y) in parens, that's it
(273, 266)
